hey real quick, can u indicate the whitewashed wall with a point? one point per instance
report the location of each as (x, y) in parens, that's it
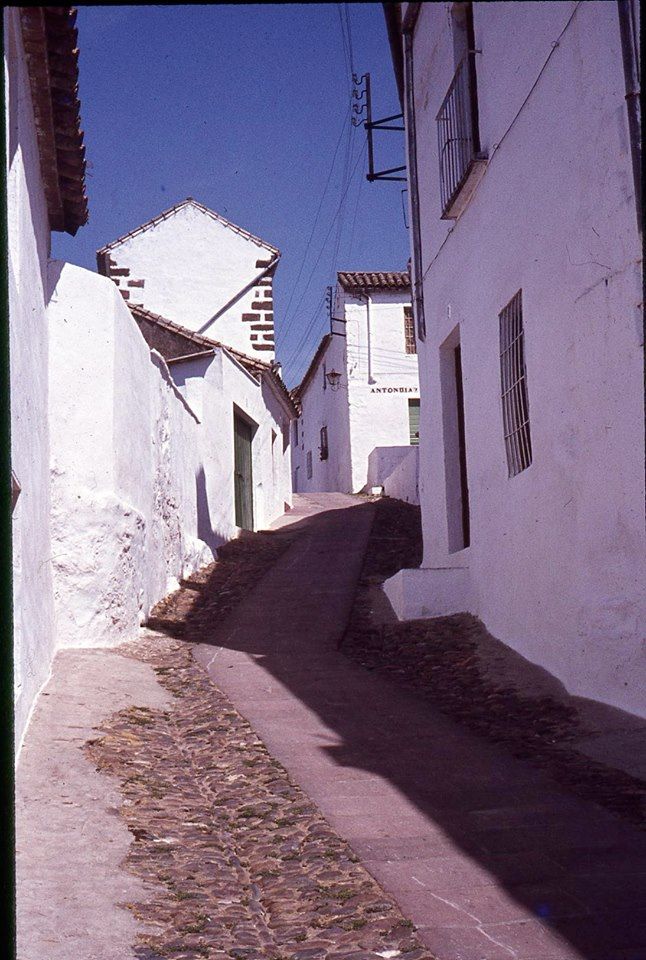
(190, 266)
(28, 234)
(125, 449)
(321, 406)
(382, 378)
(556, 565)
(395, 469)
(370, 407)
(214, 385)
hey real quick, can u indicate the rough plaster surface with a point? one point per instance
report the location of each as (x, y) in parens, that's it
(370, 407)
(556, 562)
(125, 455)
(28, 234)
(70, 838)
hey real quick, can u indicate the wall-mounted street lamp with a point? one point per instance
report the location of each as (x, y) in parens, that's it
(334, 379)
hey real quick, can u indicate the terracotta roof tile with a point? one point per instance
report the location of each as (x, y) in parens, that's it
(49, 38)
(376, 280)
(181, 343)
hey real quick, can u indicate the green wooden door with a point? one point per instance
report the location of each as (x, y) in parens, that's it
(242, 438)
(413, 420)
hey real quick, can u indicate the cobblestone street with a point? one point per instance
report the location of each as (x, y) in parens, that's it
(296, 790)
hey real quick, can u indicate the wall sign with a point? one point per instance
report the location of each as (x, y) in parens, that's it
(393, 390)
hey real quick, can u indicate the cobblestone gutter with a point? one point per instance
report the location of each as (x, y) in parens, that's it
(251, 869)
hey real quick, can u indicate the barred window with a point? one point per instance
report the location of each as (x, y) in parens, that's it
(409, 330)
(324, 446)
(513, 383)
(309, 464)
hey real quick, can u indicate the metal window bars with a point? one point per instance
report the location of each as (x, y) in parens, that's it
(513, 382)
(409, 331)
(457, 132)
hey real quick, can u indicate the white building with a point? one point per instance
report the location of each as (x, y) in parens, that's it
(245, 478)
(523, 174)
(360, 429)
(120, 487)
(197, 269)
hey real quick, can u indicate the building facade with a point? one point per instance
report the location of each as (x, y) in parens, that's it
(198, 269)
(245, 477)
(526, 257)
(355, 428)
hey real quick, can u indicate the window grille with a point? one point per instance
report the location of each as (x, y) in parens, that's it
(409, 330)
(457, 133)
(513, 383)
(309, 464)
(324, 447)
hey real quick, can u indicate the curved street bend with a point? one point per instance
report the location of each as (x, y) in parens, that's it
(155, 817)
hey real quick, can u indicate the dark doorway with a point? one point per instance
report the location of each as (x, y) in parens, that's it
(455, 457)
(243, 480)
(464, 487)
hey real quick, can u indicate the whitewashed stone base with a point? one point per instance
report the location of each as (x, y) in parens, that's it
(430, 592)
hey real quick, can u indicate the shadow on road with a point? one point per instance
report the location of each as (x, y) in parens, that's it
(503, 855)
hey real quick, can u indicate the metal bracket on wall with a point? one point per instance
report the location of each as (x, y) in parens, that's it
(361, 90)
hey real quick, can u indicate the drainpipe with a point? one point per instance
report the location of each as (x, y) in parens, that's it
(368, 304)
(411, 136)
(630, 56)
(363, 295)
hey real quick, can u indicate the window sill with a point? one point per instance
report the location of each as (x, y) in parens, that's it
(462, 197)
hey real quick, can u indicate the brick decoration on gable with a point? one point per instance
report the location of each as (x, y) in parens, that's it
(128, 286)
(263, 317)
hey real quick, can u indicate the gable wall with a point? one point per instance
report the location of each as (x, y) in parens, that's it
(189, 266)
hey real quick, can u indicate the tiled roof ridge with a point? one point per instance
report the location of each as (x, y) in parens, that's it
(165, 214)
(49, 37)
(386, 279)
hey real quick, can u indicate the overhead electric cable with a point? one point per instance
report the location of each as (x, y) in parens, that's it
(286, 325)
(327, 236)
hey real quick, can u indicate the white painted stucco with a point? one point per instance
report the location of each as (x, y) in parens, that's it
(556, 565)
(216, 385)
(370, 407)
(29, 237)
(125, 454)
(395, 470)
(192, 265)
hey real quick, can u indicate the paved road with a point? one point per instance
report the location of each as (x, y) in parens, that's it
(488, 857)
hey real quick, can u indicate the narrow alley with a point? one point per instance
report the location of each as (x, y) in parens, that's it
(268, 780)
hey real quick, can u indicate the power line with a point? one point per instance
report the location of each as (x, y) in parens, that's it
(349, 30)
(316, 220)
(295, 355)
(327, 236)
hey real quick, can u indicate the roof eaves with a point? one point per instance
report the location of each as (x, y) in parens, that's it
(50, 42)
(250, 363)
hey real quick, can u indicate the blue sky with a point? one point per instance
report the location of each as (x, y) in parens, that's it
(242, 107)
